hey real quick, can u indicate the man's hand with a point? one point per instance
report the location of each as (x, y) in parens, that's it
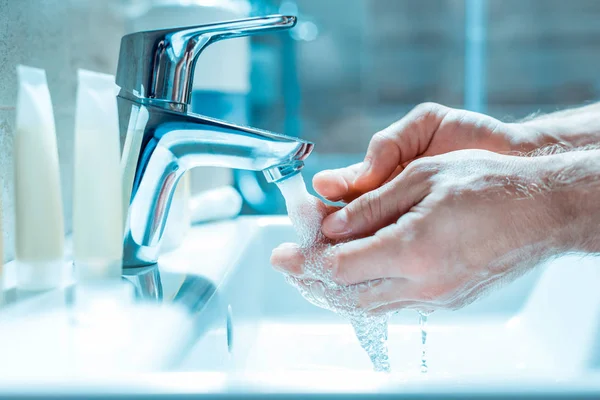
(447, 228)
(429, 129)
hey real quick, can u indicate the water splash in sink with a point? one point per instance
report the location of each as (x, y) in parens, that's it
(317, 286)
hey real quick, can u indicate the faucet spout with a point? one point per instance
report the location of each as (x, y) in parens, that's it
(163, 139)
(174, 142)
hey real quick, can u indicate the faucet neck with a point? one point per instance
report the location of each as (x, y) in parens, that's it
(163, 140)
(167, 144)
(165, 59)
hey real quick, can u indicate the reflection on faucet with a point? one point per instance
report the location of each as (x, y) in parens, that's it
(190, 291)
(146, 281)
(195, 292)
(155, 73)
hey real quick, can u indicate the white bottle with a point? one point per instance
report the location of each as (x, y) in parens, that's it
(97, 202)
(1, 257)
(39, 214)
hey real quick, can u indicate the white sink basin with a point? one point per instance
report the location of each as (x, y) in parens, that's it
(541, 330)
(249, 331)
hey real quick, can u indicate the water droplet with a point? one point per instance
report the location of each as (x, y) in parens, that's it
(423, 325)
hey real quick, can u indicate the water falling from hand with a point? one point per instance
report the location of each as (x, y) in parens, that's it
(423, 325)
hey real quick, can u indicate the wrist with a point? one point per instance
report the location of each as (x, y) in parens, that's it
(573, 128)
(572, 182)
(530, 136)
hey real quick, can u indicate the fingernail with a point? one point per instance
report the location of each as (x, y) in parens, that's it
(283, 246)
(376, 282)
(318, 289)
(324, 173)
(337, 222)
(284, 251)
(362, 287)
(365, 286)
(284, 257)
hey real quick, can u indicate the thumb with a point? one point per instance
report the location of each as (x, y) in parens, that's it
(399, 144)
(377, 208)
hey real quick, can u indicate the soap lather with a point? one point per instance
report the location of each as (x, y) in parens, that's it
(155, 74)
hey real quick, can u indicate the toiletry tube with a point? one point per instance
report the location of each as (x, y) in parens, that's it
(38, 206)
(1, 256)
(97, 202)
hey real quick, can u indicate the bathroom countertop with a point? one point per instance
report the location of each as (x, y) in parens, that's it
(70, 335)
(308, 385)
(48, 336)
(126, 348)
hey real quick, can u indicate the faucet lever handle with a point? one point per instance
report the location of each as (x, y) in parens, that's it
(159, 65)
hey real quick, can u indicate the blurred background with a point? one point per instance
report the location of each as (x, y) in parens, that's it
(349, 69)
(356, 66)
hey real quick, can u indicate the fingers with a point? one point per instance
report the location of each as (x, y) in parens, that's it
(383, 292)
(338, 184)
(399, 143)
(380, 207)
(314, 291)
(288, 258)
(389, 294)
(360, 260)
(396, 306)
(359, 266)
(376, 297)
(394, 174)
(390, 148)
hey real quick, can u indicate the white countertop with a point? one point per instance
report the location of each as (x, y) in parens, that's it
(119, 347)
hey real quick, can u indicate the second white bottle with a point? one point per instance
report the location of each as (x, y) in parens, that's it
(97, 208)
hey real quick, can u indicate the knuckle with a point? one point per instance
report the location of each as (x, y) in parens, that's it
(372, 207)
(366, 210)
(455, 118)
(419, 164)
(380, 139)
(424, 167)
(427, 109)
(338, 273)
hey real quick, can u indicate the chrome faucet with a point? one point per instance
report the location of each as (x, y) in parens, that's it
(163, 139)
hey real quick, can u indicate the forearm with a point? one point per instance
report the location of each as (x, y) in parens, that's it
(574, 128)
(573, 182)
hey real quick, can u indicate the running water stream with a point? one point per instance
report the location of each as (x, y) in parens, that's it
(306, 213)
